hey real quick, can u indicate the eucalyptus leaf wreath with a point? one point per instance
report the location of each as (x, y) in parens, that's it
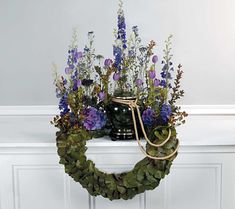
(91, 84)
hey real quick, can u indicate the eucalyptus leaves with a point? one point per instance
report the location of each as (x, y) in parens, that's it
(145, 175)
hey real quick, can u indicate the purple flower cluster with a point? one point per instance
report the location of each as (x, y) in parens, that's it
(75, 81)
(62, 94)
(166, 74)
(122, 28)
(73, 58)
(94, 119)
(63, 104)
(148, 117)
(165, 112)
(117, 52)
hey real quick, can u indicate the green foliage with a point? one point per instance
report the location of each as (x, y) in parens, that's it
(146, 174)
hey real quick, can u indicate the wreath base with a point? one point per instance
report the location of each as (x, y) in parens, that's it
(145, 175)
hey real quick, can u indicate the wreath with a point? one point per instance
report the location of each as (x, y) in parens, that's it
(86, 94)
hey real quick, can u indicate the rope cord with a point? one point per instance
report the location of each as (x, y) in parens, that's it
(133, 105)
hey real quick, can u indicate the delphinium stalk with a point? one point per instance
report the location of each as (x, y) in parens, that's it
(89, 54)
(135, 69)
(150, 74)
(119, 50)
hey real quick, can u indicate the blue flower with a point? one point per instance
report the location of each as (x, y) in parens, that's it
(165, 112)
(63, 104)
(166, 75)
(122, 29)
(148, 117)
(163, 83)
(94, 119)
(117, 52)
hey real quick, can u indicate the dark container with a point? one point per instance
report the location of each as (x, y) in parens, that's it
(121, 119)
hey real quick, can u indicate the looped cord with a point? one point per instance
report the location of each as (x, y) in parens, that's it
(133, 105)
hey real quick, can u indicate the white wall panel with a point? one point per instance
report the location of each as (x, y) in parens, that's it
(200, 186)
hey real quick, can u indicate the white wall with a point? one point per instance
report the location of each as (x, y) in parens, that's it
(33, 34)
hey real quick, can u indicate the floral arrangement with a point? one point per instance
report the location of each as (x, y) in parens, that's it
(91, 82)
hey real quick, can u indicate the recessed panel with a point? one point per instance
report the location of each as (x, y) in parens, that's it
(194, 187)
(39, 188)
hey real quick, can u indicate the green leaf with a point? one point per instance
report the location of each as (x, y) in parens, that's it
(121, 189)
(140, 175)
(159, 174)
(110, 182)
(150, 178)
(158, 135)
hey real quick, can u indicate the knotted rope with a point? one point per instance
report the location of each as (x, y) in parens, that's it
(133, 105)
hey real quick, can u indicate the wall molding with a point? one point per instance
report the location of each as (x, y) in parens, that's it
(207, 125)
(50, 110)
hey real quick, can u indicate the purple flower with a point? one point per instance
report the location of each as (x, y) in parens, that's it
(101, 96)
(152, 74)
(155, 59)
(163, 83)
(163, 74)
(68, 70)
(148, 117)
(94, 119)
(156, 82)
(131, 53)
(108, 62)
(116, 76)
(58, 93)
(138, 82)
(79, 83)
(117, 52)
(122, 28)
(79, 55)
(166, 74)
(165, 112)
(63, 104)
